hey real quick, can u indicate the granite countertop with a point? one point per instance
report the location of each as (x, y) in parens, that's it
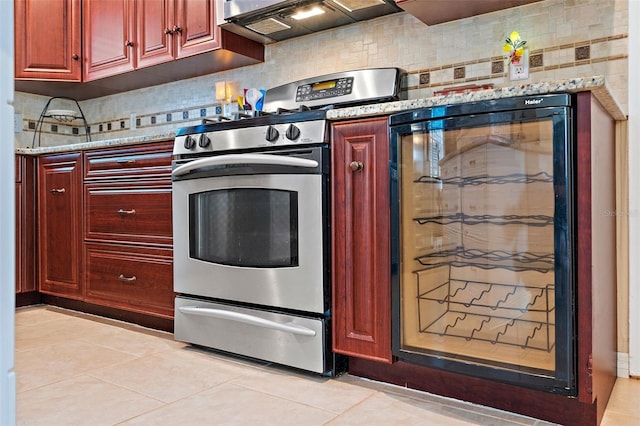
(596, 84)
(106, 143)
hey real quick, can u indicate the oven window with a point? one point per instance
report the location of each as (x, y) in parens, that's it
(249, 227)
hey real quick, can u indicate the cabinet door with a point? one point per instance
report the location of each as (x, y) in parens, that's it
(155, 31)
(19, 227)
(361, 263)
(108, 38)
(47, 40)
(195, 27)
(25, 225)
(59, 224)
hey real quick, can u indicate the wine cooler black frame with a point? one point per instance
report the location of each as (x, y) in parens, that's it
(560, 334)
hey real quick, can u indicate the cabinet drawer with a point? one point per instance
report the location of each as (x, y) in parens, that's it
(137, 161)
(129, 213)
(134, 278)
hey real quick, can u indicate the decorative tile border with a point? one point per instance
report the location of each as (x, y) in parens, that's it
(545, 59)
(604, 49)
(183, 117)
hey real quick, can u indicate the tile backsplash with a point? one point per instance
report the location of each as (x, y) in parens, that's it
(566, 38)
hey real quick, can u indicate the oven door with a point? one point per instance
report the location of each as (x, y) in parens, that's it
(250, 228)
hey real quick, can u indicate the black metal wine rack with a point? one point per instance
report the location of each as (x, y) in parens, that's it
(491, 312)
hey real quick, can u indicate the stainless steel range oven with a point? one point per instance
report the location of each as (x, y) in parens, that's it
(251, 224)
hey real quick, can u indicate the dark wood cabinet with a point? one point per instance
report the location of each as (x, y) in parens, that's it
(88, 48)
(25, 259)
(129, 212)
(155, 31)
(47, 40)
(128, 229)
(433, 12)
(148, 161)
(133, 278)
(109, 38)
(60, 225)
(124, 35)
(361, 264)
(105, 232)
(173, 29)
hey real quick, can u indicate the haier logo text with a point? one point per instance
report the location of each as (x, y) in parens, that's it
(533, 101)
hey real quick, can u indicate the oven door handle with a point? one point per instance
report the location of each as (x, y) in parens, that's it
(248, 159)
(248, 319)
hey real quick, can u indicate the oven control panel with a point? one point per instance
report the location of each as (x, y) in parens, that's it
(256, 137)
(324, 89)
(356, 87)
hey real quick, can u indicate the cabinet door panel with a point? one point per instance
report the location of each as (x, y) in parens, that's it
(109, 38)
(137, 279)
(19, 227)
(361, 264)
(198, 30)
(129, 213)
(47, 40)
(153, 160)
(59, 219)
(25, 225)
(155, 39)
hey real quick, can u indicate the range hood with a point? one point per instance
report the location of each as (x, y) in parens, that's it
(269, 21)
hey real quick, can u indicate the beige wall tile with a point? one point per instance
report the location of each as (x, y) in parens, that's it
(397, 40)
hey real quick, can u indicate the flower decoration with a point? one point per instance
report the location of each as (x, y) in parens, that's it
(514, 48)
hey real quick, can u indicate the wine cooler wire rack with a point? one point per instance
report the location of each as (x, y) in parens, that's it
(528, 220)
(520, 178)
(502, 329)
(488, 259)
(460, 321)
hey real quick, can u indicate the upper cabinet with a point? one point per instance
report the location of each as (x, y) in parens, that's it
(120, 36)
(433, 12)
(194, 29)
(109, 28)
(47, 40)
(123, 35)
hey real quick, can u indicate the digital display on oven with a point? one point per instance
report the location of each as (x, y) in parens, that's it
(323, 85)
(324, 89)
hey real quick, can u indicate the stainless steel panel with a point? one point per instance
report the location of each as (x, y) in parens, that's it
(368, 84)
(254, 137)
(300, 288)
(236, 8)
(284, 339)
(253, 14)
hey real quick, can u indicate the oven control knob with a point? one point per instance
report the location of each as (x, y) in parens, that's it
(272, 134)
(293, 132)
(203, 141)
(189, 142)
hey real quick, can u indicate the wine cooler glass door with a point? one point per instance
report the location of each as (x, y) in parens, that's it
(483, 246)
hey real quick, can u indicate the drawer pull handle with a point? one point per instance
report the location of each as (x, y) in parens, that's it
(125, 161)
(127, 279)
(58, 190)
(123, 212)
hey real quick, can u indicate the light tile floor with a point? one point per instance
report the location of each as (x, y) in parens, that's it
(78, 369)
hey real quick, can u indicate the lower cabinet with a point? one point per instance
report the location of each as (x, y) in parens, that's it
(60, 225)
(127, 229)
(134, 278)
(361, 266)
(25, 259)
(105, 230)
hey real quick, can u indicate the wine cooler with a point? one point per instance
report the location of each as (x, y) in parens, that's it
(483, 240)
